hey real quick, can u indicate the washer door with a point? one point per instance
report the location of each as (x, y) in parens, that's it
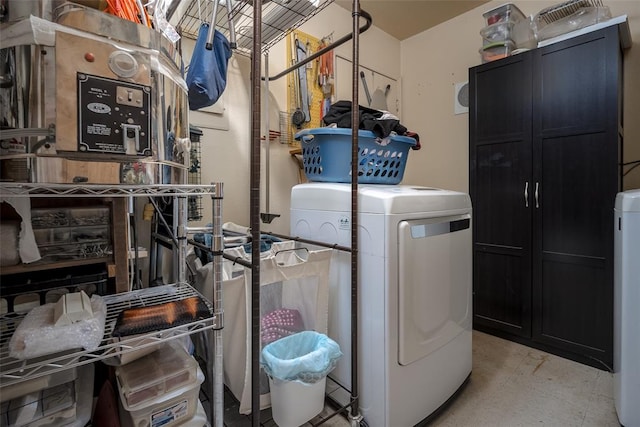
(434, 284)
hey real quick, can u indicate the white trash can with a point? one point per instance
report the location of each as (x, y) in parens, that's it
(293, 403)
(297, 366)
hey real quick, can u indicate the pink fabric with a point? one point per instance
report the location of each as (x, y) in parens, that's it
(279, 324)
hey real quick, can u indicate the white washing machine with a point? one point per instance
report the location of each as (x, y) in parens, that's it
(626, 333)
(414, 248)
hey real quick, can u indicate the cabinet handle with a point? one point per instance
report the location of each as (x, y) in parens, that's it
(526, 194)
(536, 195)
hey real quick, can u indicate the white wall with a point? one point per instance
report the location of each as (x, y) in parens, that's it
(427, 66)
(226, 153)
(433, 61)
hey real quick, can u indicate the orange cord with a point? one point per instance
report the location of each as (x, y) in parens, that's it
(128, 9)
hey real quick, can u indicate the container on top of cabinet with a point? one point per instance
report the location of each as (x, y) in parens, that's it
(497, 50)
(506, 12)
(518, 32)
(507, 29)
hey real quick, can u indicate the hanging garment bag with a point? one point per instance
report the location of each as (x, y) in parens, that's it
(294, 296)
(207, 73)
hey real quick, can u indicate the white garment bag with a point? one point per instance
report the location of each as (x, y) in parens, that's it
(291, 279)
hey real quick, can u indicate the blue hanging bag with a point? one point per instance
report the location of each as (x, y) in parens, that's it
(207, 73)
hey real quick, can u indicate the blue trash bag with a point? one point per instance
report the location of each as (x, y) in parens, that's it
(207, 73)
(307, 356)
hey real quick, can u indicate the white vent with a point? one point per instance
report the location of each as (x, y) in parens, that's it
(461, 98)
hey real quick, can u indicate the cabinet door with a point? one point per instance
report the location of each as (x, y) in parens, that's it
(500, 188)
(576, 177)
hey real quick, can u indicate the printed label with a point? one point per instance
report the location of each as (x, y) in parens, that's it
(107, 108)
(345, 223)
(169, 415)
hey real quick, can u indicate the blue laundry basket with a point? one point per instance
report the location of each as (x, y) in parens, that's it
(326, 154)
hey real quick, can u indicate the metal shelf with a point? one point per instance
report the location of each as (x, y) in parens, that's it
(106, 190)
(279, 18)
(14, 370)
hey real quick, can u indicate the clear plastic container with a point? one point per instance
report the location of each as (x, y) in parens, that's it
(506, 12)
(89, 216)
(497, 50)
(47, 218)
(90, 234)
(498, 32)
(22, 388)
(41, 408)
(519, 32)
(173, 408)
(155, 374)
(551, 23)
(52, 236)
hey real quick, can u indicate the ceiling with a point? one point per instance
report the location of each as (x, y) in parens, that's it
(405, 18)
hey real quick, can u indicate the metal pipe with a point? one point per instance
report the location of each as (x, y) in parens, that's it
(217, 245)
(254, 211)
(354, 410)
(169, 229)
(137, 284)
(164, 239)
(332, 46)
(181, 236)
(232, 30)
(267, 152)
(193, 230)
(153, 252)
(311, 242)
(238, 260)
(212, 27)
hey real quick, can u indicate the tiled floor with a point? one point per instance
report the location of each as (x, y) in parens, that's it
(512, 385)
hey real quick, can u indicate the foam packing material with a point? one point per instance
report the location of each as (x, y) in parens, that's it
(72, 308)
(37, 335)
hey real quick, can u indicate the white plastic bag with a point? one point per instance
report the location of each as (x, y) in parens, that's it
(37, 335)
(307, 356)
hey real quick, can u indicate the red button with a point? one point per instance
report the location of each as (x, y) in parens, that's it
(89, 57)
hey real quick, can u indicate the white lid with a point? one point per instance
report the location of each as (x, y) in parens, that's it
(510, 7)
(628, 201)
(376, 198)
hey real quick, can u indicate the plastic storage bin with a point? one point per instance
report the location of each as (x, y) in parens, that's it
(497, 50)
(173, 408)
(504, 13)
(67, 404)
(89, 216)
(565, 18)
(22, 388)
(39, 407)
(498, 32)
(72, 233)
(199, 419)
(507, 23)
(326, 154)
(155, 375)
(518, 32)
